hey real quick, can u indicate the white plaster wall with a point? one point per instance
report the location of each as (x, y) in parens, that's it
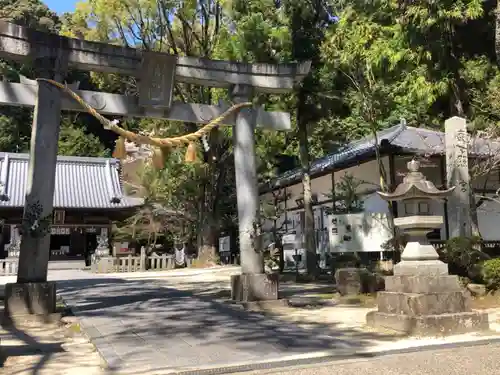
(322, 186)
(368, 172)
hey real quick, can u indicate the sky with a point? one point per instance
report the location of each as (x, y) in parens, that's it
(61, 6)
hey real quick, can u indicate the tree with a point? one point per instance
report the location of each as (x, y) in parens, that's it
(73, 141)
(308, 22)
(186, 29)
(15, 128)
(412, 61)
(15, 123)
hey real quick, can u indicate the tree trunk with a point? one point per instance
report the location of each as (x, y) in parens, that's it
(497, 32)
(309, 244)
(207, 252)
(207, 248)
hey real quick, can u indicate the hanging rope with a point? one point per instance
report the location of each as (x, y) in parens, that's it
(162, 143)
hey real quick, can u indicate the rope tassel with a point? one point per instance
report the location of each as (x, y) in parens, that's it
(120, 152)
(159, 156)
(191, 153)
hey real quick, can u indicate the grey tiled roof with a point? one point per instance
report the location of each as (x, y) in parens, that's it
(404, 138)
(81, 182)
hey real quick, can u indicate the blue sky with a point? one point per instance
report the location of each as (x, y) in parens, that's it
(61, 6)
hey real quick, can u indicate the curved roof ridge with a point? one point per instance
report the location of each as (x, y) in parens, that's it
(62, 158)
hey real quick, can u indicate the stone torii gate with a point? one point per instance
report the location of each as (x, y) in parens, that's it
(52, 56)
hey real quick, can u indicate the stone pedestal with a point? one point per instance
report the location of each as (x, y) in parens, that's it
(422, 299)
(23, 299)
(104, 265)
(254, 287)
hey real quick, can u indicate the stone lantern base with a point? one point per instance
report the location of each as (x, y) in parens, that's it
(422, 299)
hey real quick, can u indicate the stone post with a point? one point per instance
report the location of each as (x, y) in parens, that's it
(143, 259)
(253, 284)
(32, 294)
(457, 174)
(246, 183)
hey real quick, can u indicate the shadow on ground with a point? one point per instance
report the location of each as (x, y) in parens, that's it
(144, 326)
(30, 346)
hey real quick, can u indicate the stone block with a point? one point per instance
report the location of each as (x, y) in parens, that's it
(478, 290)
(104, 265)
(352, 281)
(420, 267)
(254, 287)
(430, 325)
(422, 283)
(30, 299)
(422, 304)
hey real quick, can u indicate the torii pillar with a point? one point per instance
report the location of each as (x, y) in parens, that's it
(253, 284)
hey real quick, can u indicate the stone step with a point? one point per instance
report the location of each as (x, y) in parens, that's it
(422, 284)
(430, 325)
(414, 304)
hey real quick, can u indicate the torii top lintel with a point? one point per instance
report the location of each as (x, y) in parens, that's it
(21, 43)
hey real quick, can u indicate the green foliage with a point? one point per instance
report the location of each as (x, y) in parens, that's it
(491, 273)
(464, 256)
(30, 13)
(412, 61)
(73, 141)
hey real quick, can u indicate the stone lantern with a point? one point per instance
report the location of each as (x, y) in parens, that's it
(422, 298)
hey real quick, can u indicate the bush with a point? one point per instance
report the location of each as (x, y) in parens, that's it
(464, 257)
(491, 273)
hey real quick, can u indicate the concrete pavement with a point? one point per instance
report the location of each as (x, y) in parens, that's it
(142, 327)
(175, 324)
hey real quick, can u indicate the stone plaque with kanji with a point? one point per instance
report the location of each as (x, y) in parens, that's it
(157, 80)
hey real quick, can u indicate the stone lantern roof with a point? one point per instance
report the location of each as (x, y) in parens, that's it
(415, 186)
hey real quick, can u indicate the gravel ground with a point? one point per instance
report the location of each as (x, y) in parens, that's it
(475, 360)
(48, 350)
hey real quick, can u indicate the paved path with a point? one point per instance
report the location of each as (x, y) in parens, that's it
(169, 324)
(146, 327)
(477, 360)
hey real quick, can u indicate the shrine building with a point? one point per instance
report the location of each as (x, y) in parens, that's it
(88, 198)
(361, 227)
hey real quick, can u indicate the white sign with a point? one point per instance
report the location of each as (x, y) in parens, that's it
(289, 239)
(225, 244)
(362, 232)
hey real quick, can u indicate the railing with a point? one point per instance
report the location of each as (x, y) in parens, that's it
(128, 264)
(486, 246)
(137, 263)
(160, 262)
(8, 267)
